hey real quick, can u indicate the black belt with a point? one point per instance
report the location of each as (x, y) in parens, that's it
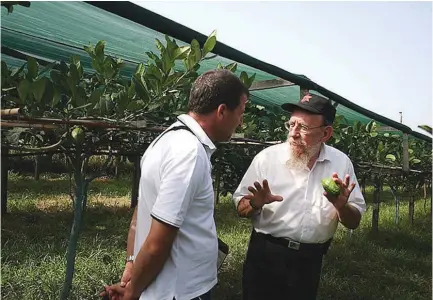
(318, 247)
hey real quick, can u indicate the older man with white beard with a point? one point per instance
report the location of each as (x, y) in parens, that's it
(294, 219)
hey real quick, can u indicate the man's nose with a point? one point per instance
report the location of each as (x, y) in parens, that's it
(294, 133)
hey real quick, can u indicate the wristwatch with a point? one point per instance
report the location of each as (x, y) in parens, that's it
(130, 258)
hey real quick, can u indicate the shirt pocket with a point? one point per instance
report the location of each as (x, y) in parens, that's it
(324, 210)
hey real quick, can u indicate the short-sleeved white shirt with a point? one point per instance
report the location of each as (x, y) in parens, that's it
(176, 188)
(305, 214)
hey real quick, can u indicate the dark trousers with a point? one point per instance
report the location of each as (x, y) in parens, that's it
(273, 271)
(205, 296)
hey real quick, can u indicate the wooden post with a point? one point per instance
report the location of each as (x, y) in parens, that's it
(425, 190)
(376, 205)
(4, 180)
(217, 185)
(411, 208)
(37, 167)
(405, 153)
(363, 181)
(135, 182)
(117, 167)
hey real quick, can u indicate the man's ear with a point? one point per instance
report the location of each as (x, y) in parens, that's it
(221, 111)
(329, 131)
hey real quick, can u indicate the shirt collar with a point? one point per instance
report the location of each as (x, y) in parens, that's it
(197, 130)
(324, 153)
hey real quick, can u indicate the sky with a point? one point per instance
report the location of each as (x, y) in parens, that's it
(375, 54)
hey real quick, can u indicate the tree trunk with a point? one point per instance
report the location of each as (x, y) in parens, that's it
(217, 185)
(135, 182)
(117, 168)
(397, 204)
(376, 205)
(411, 208)
(363, 186)
(4, 180)
(37, 167)
(73, 238)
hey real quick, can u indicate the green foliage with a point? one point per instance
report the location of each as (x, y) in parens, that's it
(394, 265)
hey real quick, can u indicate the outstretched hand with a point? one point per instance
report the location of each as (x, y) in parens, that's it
(261, 195)
(346, 189)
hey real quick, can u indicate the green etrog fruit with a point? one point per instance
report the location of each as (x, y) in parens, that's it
(331, 187)
(78, 135)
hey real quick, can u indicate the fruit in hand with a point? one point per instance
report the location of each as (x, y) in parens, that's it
(78, 135)
(331, 187)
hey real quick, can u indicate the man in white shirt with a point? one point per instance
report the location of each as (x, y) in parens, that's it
(172, 237)
(293, 218)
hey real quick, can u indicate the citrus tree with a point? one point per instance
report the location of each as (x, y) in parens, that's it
(155, 94)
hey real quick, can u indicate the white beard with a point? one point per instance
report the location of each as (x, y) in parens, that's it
(299, 160)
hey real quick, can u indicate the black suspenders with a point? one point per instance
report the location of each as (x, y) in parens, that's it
(184, 127)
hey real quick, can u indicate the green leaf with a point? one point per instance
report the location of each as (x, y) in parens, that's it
(167, 63)
(141, 88)
(38, 88)
(47, 68)
(135, 105)
(99, 50)
(390, 157)
(55, 76)
(139, 70)
(386, 134)
(74, 73)
(79, 96)
(181, 52)
(75, 59)
(380, 147)
(232, 67)
(56, 97)
(152, 56)
(96, 96)
(23, 89)
(32, 67)
(250, 80)
(17, 72)
(373, 134)
(159, 45)
(244, 77)
(109, 71)
(154, 105)
(154, 70)
(195, 54)
(210, 43)
(415, 161)
(131, 90)
(71, 84)
(90, 50)
(122, 101)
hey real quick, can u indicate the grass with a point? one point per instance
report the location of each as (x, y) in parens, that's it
(395, 264)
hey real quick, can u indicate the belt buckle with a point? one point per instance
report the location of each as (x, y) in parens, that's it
(294, 245)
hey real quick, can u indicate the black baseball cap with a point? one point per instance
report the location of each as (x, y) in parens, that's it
(314, 104)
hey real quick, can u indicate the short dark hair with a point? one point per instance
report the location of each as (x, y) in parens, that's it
(213, 88)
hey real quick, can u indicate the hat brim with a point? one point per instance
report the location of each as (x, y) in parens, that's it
(290, 107)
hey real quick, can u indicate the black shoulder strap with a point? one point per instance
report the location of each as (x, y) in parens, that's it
(184, 127)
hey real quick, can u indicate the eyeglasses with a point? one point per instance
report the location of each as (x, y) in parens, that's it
(302, 128)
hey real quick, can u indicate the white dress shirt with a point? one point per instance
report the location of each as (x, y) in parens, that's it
(305, 215)
(176, 188)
